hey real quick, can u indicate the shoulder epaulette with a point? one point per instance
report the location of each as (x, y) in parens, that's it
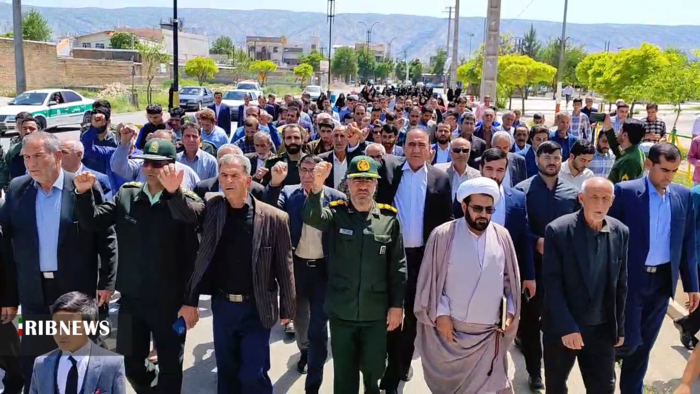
(133, 184)
(387, 207)
(336, 203)
(190, 194)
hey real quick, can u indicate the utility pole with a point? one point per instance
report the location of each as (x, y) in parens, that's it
(176, 55)
(560, 71)
(20, 75)
(471, 35)
(455, 48)
(331, 18)
(449, 29)
(493, 38)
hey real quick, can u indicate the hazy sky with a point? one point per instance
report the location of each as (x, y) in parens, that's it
(654, 12)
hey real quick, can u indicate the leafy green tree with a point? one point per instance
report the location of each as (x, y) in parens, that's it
(223, 45)
(263, 68)
(469, 72)
(439, 63)
(415, 69)
(676, 82)
(123, 40)
(584, 70)
(573, 55)
(241, 64)
(400, 70)
(35, 27)
(313, 59)
(152, 56)
(303, 72)
(531, 45)
(383, 70)
(366, 63)
(202, 68)
(344, 63)
(519, 72)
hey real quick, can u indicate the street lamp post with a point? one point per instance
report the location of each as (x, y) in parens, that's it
(331, 18)
(20, 76)
(388, 49)
(369, 38)
(176, 55)
(560, 71)
(471, 35)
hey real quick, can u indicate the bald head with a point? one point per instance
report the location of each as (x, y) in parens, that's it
(597, 184)
(72, 155)
(228, 149)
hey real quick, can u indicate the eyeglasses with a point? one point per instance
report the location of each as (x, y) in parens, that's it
(154, 163)
(460, 150)
(480, 209)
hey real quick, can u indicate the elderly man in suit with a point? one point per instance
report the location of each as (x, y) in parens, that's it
(222, 112)
(458, 169)
(72, 162)
(212, 185)
(661, 220)
(517, 170)
(46, 253)
(423, 197)
(583, 315)
(78, 365)
(244, 275)
(310, 262)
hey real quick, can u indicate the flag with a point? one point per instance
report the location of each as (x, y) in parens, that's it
(20, 326)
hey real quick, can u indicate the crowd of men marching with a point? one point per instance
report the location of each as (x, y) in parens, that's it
(405, 222)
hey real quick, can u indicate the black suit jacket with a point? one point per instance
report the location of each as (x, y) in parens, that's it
(566, 276)
(223, 120)
(78, 249)
(478, 148)
(211, 185)
(438, 196)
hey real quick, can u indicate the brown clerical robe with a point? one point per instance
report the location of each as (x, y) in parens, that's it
(476, 362)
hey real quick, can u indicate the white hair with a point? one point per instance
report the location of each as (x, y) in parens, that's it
(236, 150)
(233, 158)
(51, 142)
(381, 148)
(597, 179)
(501, 134)
(76, 145)
(264, 136)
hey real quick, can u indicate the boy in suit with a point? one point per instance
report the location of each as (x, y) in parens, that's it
(78, 365)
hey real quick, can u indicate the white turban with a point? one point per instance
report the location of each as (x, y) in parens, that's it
(481, 185)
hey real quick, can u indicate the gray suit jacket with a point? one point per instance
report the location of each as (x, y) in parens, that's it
(447, 167)
(105, 372)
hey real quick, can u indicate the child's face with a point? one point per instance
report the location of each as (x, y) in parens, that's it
(69, 342)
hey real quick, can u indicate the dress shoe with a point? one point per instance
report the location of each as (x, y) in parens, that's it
(535, 383)
(687, 338)
(289, 329)
(301, 365)
(409, 375)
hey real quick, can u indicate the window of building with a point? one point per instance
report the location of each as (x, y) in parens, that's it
(313, 47)
(100, 46)
(275, 50)
(87, 45)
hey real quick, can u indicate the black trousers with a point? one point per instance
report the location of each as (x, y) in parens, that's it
(138, 319)
(400, 342)
(596, 360)
(530, 326)
(10, 360)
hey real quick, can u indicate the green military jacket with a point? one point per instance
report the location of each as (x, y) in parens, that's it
(367, 263)
(5, 163)
(629, 163)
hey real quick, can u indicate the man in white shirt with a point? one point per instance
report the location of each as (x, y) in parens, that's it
(575, 170)
(78, 365)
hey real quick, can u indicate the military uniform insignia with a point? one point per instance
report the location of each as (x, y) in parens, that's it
(363, 165)
(133, 184)
(154, 147)
(191, 194)
(625, 178)
(387, 207)
(336, 203)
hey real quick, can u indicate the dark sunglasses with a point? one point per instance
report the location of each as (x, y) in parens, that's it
(154, 163)
(460, 150)
(480, 209)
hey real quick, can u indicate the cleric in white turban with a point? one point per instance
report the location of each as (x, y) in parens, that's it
(468, 292)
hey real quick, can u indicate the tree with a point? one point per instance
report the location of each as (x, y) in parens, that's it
(303, 72)
(263, 68)
(573, 55)
(241, 64)
(123, 40)
(344, 63)
(469, 72)
(415, 69)
(584, 70)
(366, 63)
(519, 72)
(35, 27)
(313, 59)
(676, 82)
(202, 68)
(439, 63)
(531, 45)
(152, 56)
(223, 45)
(383, 70)
(400, 70)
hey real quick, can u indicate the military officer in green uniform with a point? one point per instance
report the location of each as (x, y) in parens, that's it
(629, 161)
(366, 274)
(156, 259)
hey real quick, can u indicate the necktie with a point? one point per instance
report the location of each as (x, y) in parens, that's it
(72, 381)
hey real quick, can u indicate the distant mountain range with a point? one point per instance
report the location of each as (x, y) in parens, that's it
(421, 36)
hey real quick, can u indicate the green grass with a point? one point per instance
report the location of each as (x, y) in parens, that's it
(682, 179)
(122, 104)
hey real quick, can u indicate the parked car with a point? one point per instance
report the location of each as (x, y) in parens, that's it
(194, 98)
(236, 98)
(51, 108)
(314, 91)
(250, 85)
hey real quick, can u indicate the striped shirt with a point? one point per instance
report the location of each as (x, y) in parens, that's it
(602, 163)
(580, 126)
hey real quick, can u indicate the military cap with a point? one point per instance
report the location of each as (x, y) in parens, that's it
(363, 167)
(158, 150)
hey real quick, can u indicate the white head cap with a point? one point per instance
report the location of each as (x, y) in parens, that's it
(481, 185)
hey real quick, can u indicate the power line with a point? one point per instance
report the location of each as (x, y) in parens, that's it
(522, 12)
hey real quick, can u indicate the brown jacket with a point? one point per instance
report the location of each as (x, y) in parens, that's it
(272, 258)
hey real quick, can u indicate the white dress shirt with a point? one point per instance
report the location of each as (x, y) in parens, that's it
(410, 202)
(339, 170)
(81, 357)
(499, 216)
(575, 180)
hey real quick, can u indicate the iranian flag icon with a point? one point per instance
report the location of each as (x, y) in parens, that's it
(20, 326)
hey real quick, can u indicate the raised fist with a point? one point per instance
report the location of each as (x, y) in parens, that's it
(279, 173)
(83, 182)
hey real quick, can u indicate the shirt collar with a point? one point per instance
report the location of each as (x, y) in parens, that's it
(78, 354)
(652, 189)
(148, 193)
(336, 160)
(58, 184)
(408, 167)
